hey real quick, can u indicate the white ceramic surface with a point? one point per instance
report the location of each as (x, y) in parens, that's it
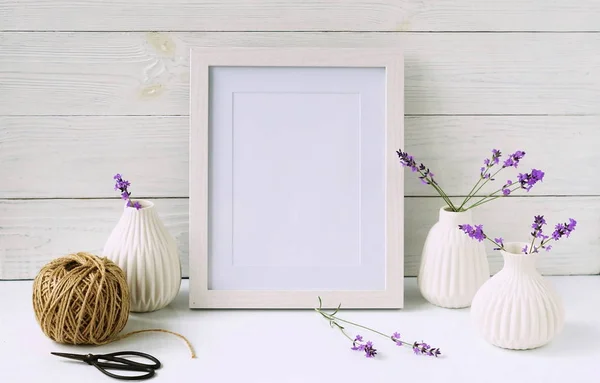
(141, 245)
(517, 308)
(453, 266)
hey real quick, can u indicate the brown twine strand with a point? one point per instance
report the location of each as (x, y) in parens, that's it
(84, 299)
(187, 342)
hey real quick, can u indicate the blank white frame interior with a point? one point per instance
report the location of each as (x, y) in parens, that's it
(295, 187)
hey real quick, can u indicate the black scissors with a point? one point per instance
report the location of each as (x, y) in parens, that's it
(117, 361)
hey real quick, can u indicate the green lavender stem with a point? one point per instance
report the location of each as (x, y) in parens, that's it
(444, 196)
(441, 192)
(332, 318)
(473, 193)
(494, 242)
(470, 192)
(492, 197)
(532, 241)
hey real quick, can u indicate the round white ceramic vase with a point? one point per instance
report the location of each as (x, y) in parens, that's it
(517, 308)
(453, 266)
(141, 245)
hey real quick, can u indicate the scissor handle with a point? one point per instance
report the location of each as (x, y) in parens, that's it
(104, 367)
(115, 362)
(115, 357)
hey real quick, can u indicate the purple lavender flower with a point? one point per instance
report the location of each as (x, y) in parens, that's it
(122, 186)
(490, 162)
(499, 242)
(559, 231)
(416, 348)
(473, 232)
(370, 352)
(513, 159)
(528, 180)
(538, 222)
(496, 154)
(518, 155)
(425, 349)
(356, 345)
(537, 175)
(564, 229)
(407, 160)
(506, 191)
(396, 335)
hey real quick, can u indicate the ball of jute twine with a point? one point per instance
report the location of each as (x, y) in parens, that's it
(84, 299)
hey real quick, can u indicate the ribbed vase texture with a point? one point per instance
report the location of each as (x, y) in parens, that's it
(453, 266)
(141, 245)
(517, 308)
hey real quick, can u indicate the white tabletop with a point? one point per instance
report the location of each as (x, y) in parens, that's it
(299, 346)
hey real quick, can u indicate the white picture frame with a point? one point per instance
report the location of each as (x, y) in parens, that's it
(322, 220)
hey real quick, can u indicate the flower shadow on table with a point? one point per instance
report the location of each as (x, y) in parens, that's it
(576, 338)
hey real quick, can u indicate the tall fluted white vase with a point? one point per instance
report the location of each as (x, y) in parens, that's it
(517, 308)
(453, 266)
(141, 245)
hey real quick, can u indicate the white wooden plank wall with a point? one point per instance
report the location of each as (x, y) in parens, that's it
(90, 88)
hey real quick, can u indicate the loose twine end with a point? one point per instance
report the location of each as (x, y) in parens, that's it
(187, 342)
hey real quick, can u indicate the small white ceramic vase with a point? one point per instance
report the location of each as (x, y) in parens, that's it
(517, 308)
(453, 266)
(141, 245)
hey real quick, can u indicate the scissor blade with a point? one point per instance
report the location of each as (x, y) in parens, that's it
(79, 357)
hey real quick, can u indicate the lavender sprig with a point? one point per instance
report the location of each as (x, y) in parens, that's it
(487, 174)
(358, 343)
(560, 230)
(425, 175)
(122, 185)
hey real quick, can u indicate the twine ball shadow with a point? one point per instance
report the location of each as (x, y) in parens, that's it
(81, 299)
